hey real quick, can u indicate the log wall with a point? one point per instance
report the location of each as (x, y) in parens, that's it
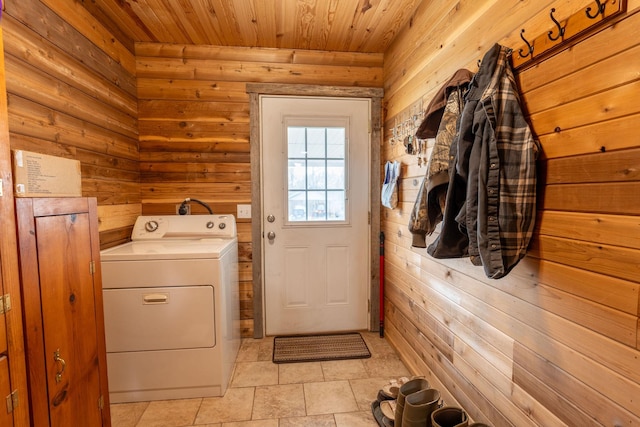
(71, 92)
(555, 342)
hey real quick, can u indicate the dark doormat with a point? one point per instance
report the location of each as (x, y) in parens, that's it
(313, 348)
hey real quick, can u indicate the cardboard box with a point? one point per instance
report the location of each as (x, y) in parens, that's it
(40, 175)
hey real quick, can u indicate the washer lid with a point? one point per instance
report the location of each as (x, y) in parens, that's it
(169, 249)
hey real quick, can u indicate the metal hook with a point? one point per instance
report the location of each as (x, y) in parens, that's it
(560, 27)
(601, 7)
(528, 45)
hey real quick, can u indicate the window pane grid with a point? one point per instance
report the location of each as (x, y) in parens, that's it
(316, 173)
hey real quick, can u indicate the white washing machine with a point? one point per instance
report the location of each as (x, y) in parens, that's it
(171, 308)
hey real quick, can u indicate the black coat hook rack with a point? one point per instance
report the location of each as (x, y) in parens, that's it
(567, 29)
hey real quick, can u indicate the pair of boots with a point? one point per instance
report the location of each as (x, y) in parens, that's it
(415, 404)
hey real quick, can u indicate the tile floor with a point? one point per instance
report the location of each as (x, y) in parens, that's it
(264, 394)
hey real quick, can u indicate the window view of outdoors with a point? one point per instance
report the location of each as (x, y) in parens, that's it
(316, 173)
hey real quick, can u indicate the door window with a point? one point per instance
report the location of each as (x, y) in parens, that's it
(316, 174)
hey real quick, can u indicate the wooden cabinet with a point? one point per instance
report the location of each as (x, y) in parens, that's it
(62, 302)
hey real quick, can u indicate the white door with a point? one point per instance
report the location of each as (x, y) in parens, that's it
(315, 191)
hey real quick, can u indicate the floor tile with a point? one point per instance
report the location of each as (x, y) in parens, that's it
(311, 421)
(170, 413)
(235, 405)
(356, 419)
(258, 423)
(377, 346)
(385, 366)
(127, 414)
(278, 401)
(365, 390)
(255, 350)
(343, 369)
(294, 373)
(329, 397)
(248, 374)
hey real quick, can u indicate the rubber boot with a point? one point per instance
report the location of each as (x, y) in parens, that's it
(418, 407)
(449, 416)
(406, 389)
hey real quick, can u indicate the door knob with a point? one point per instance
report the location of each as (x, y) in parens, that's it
(61, 362)
(271, 235)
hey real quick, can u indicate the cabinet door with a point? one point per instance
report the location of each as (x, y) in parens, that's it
(69, 320)
(64, 323)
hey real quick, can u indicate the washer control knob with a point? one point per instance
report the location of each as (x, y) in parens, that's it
(151, 226)
(210, 224)
(222, 225)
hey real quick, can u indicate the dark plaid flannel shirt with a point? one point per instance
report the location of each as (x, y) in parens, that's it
(500, 209)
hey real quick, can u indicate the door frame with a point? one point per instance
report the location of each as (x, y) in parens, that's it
(375, 94)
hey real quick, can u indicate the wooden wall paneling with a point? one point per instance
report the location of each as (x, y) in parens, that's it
(568, 413)
(614, 261)
(38, 121)
(609, 105)
(608, 44)
(585, 79)
(416, 357)
(159, 156)
(220, 145)
(114, 237)
(226, 191)
(607, 198)
(540, 327)
(252, 54)
(30, 83)
(591, 138)
(223, 112)
(600, 409)
(609, 291)
(72, 93)
(471, 399)
(111, 217)
(22, 43)
(195, 90)
(618, 230)
(193, 130)
(468, 345)
(519, 312)
(81, 19)
(616, 166)
(258, 72)
(60, 33)
(427, 59)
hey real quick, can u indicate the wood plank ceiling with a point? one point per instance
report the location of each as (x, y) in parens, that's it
(330, 25)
